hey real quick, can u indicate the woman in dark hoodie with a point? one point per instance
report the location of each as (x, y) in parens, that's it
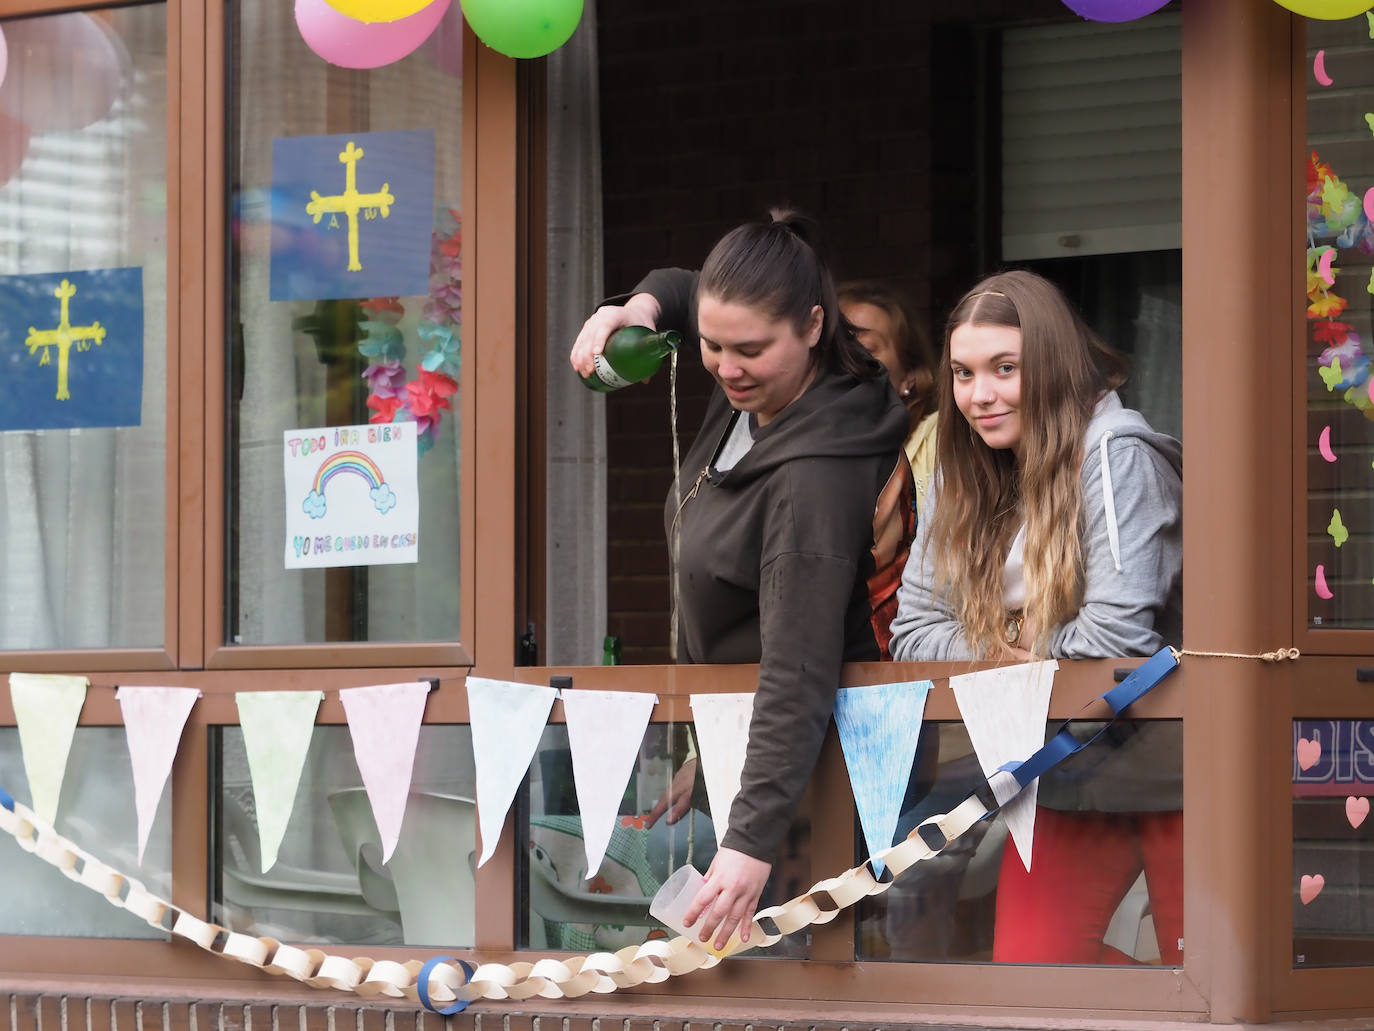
(774, 535)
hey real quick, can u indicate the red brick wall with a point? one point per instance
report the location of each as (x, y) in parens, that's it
(716, 110)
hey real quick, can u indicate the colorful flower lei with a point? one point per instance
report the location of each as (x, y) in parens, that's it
(424, 399)
(1337, 215)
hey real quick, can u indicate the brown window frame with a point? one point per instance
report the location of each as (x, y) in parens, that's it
(1240, 85)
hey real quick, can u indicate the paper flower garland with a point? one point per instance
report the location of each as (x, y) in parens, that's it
(424, 399)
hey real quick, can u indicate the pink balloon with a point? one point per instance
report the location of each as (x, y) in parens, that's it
(65, 71)
(445, 46)
(353, 44)
(4, 57)
(14, 144)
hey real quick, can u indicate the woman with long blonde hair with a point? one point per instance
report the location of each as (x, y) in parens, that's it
(1054, 530)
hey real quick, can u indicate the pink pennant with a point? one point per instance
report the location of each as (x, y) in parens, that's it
(154, 718)
(1308, 753)
(1311, 887)
(1356, 809)
(384, 722)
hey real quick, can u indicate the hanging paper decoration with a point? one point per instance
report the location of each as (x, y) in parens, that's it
(154, 718)
(46, 708)
(605, 730)
(1113, 10)
(879, 726)
(349, 43)
(721, 722)
(352, 215)
(65, 71)
(384, 723)
(1004, 711)
(277, 727)
(523, 28)
(507, 721)
(378, 10)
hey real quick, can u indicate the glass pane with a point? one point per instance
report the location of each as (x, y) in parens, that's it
(564, 909)
(1106, 881)
(83, 282)
(344, 276)
(97, 814)
(329, 883)
(1333, 865)
(1339, 243)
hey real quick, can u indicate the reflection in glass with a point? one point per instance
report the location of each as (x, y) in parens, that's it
(1108, 840)
(329, 883)
(567, 910)
(1333, 861)
(96, 814)
(1338, 245)
(83, 193)
(314, 343)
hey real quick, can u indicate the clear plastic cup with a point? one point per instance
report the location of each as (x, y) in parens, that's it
(670, 905)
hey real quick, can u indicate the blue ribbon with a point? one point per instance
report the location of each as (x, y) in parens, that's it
(422, 985)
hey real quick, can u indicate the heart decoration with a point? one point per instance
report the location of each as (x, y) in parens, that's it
(1356, 809)
(1311, 887)
(1308, 753)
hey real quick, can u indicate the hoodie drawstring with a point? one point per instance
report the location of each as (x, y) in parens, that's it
(1109, 502)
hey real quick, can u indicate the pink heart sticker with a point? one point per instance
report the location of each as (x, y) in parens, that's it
(1311, 887)
(1308, 753)
(1356, 809)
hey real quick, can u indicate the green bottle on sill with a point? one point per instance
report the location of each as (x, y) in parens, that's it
(632, 354)
(610, 650)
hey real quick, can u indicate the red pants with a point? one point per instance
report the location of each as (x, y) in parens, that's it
(1082, 865)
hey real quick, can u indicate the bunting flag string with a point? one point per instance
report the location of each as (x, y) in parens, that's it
(46, 708)
(154, 718)
(721, 722)
(384, 723)
(507, 720)
(277, 727)
(448, 986)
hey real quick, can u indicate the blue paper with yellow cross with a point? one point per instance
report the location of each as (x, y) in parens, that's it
(352, 215)
(71, 349)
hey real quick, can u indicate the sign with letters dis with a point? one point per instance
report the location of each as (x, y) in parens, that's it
(352, 215)
(1344, 763)
(352, 496)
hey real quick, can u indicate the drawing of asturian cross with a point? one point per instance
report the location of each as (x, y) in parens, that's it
(62, 338)
(350, 202)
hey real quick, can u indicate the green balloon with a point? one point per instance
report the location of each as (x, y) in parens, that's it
(523, 28)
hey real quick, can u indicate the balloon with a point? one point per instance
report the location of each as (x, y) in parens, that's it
(1113, 10)
(371, 11)
(65, 73)
(1327, 10)
(353, 44)
(445, 44)
(523, 28)
(4, 57)
(14, 144)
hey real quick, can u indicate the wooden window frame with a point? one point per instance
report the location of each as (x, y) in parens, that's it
(1243, 65)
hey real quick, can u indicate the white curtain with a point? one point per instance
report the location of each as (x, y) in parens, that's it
(82, 558)
(575, 568)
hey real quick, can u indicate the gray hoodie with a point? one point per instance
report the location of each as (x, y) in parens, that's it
(1132, 520)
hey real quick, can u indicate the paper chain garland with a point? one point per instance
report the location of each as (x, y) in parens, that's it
(439, 986)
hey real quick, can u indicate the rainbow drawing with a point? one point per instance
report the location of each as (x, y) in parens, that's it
(383, 497)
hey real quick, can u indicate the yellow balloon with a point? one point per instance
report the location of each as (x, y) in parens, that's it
(378, 10)
(1327, 10)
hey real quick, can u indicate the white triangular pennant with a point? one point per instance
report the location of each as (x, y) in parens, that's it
(154, 718)
(507, 721)
(1004, 711)
(46, 709)
(879, 726)
(277, 727)
(605, 730)
(384, 723)
(721, 722)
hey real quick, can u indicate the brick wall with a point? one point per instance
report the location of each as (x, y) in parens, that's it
(861, 113)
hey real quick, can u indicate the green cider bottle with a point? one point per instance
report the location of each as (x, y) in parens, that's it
(632, 354)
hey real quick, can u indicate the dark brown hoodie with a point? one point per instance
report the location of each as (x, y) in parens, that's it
(773, 560)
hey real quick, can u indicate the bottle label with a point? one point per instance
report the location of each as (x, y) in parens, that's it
(608, 375)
